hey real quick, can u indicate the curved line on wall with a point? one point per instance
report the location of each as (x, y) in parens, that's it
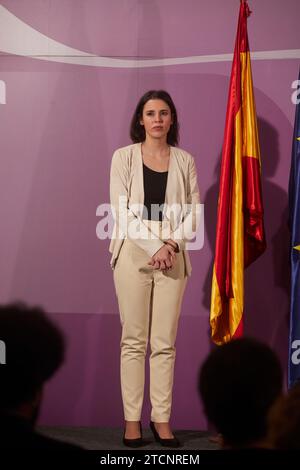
(28, 42)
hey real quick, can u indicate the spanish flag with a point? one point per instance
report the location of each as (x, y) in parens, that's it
(240, 236)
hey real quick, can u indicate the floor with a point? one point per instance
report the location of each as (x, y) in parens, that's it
(111, 439)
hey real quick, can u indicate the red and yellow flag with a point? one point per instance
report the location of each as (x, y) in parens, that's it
(240, 237)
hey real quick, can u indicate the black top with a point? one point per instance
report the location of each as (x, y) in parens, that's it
(155, 183)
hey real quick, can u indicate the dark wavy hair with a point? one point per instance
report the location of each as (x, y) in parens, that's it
(137, 131)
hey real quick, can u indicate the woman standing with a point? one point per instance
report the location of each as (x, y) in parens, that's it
(155, 201)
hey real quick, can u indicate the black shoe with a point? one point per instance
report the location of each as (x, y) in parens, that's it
(173, 442)
(138, 442)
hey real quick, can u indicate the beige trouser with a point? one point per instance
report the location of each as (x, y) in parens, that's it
(149, 303)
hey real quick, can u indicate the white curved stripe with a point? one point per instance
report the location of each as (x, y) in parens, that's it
(2, 92)
(18, 38)
(283, 54)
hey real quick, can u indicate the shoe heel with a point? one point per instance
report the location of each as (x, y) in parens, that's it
(155, 433)
(173, 442)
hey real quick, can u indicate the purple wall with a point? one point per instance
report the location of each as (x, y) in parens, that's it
(58, 130)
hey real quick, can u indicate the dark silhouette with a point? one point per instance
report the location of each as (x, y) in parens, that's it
(34, 351)
(238, 383)
(284, 421)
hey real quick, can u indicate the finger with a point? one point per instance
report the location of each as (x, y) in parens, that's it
(170, 261)
(168, 264)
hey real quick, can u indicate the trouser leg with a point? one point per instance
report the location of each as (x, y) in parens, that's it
(133, 283)
(168, 293)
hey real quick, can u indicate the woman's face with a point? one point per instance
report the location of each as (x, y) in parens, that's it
(156, 119)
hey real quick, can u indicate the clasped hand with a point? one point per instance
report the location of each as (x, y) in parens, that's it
(164, 258)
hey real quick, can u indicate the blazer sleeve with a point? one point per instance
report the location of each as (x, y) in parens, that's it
(187, 228)
(130, 224)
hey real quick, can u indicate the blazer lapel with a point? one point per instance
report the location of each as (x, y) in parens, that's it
(170, 182)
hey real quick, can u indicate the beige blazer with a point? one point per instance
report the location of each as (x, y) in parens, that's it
(182, 202)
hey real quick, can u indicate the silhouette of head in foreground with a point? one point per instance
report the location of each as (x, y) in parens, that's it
(238, 382)
(34, 351)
